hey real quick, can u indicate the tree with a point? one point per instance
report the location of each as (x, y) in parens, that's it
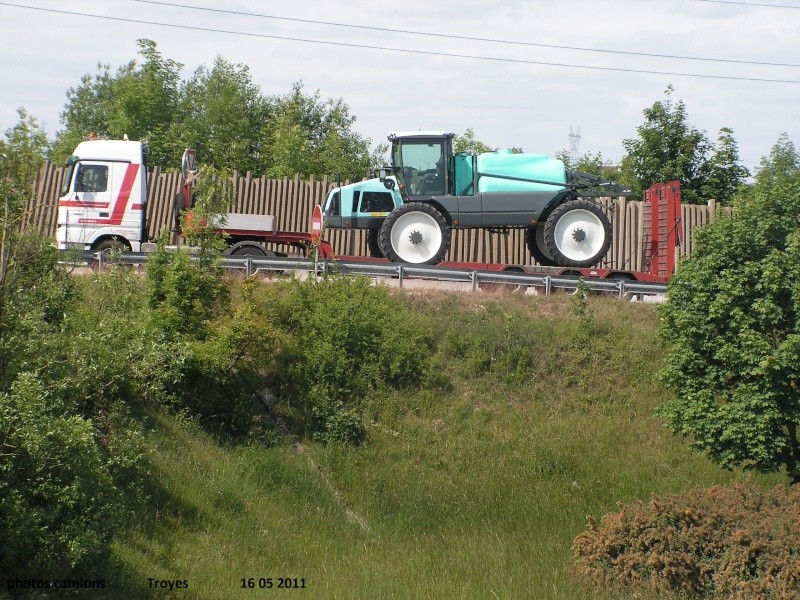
(309, 136)
(669, 148)
(724, 174)
(588, 163)
(224, 116)
(732, 322)
(140, 101)
(21, 155)
(468, 143)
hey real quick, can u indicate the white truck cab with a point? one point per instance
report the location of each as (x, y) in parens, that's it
(103, 200)
(103, 197)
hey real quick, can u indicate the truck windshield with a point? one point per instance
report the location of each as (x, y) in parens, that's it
(419, 165)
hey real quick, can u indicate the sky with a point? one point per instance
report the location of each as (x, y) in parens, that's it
(520, 73)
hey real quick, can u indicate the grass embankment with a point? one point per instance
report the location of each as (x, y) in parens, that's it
(473, 487)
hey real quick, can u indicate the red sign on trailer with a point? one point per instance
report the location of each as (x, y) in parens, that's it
(316, 224)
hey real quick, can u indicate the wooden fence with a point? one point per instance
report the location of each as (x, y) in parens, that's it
(292, 201)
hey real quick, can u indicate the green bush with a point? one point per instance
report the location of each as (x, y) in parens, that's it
(345, 340)
(35, 299)
(728, 542)
(58, 503)
(71, 454)
(184, 296)
(221, 374)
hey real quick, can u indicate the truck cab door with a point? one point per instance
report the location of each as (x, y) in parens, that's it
(85, 197)
(93, 185)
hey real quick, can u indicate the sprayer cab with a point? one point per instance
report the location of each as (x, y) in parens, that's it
(425, 165)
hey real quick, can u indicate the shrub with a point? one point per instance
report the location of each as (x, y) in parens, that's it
(58, 502)
(183, 296)
(733, 542)
(221, 374)
(35, 298)
(345, 340)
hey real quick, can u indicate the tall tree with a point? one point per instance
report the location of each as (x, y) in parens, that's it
(732, 321)
(468, 143)
(140, 101)
(668, 147)
(724, 173)
(311, 136)
(22, 153)
(222, 113)
(224, 116)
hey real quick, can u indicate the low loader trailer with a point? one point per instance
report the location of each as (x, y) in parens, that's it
(410, 210)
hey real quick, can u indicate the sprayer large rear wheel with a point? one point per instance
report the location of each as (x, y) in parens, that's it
(578, 233)
(415, 233)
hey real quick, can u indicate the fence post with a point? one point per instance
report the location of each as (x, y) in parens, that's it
(712, 209)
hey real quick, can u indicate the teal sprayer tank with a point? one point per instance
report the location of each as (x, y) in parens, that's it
(507, 172)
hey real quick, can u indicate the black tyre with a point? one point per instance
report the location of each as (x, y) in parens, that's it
(374, 243)
(108, 248)
(252, 250)
(534, 238)
(415, 233)
(578, 233)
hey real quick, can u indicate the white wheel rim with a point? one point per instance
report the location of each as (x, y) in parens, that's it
(416, 237)
(579, 235)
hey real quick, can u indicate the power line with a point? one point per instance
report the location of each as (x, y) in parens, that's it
(467, 38)
(759, 4)
(401, 50)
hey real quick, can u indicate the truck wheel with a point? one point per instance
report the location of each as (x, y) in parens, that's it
(374, 242)
(577, 233)
(415, 233)
(534, 238)
(108, 248)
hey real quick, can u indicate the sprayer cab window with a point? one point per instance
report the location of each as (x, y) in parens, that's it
(376, 202)
(423, 167)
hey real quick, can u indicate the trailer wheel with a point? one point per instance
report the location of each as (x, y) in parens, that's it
(415, 233)
(577, 233)
(249, 249)
(534, 238)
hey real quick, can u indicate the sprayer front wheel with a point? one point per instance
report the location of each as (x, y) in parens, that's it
(415, 233)
(578, 233)
(374, 243)
(534, 238)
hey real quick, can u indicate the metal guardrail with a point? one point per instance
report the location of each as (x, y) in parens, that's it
(621, 288)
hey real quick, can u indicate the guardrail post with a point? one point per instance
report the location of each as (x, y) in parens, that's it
(400, 275)
(547, 285)
(621, 289)
(473, 275)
